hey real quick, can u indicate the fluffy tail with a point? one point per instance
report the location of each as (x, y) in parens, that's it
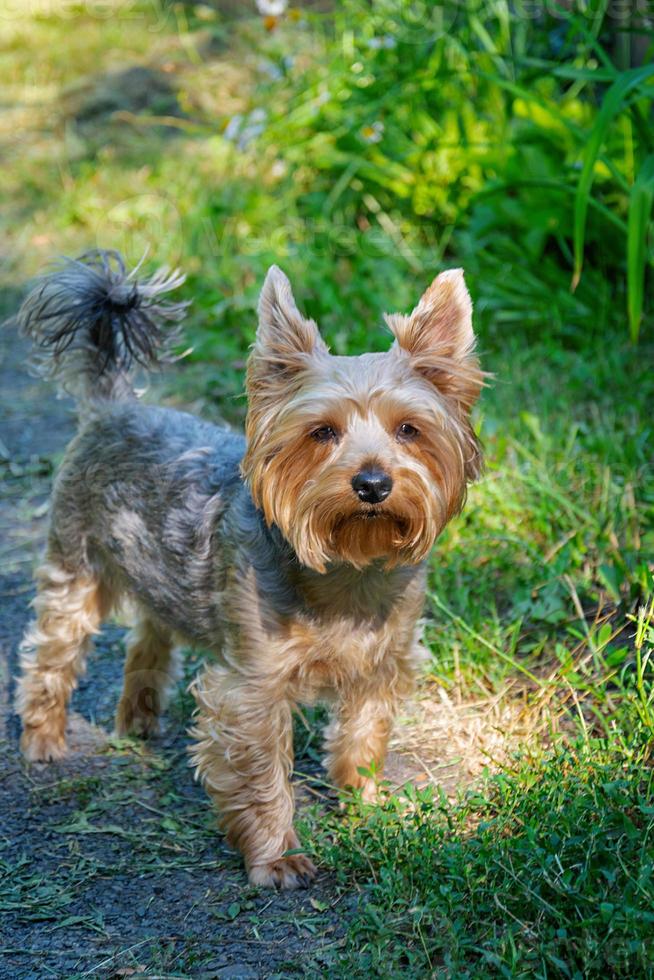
(92, 323)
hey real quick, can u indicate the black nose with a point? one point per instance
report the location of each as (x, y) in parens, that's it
(372, 486)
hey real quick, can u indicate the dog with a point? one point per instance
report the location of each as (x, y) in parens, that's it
(296, 555)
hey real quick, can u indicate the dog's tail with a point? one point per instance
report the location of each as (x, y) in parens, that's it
(92, 323)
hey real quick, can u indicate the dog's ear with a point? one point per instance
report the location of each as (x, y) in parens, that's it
(442, 320)
(284, 336)
(438, 336)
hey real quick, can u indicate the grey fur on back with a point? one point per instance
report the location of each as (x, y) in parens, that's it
(153, 498)
(142, 494)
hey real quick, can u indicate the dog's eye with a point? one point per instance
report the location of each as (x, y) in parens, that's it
(324, 434)
(407, 432)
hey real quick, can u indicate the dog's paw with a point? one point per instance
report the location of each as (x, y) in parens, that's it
(294, 871)
(131, 722)
(42, 744)
(368, 791)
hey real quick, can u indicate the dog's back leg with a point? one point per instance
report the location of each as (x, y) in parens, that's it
(151, 671)
(70, 606)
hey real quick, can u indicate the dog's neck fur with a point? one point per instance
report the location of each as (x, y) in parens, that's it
(367, 595)
(343, 592)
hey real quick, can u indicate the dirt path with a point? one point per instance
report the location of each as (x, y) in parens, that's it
(109, 861)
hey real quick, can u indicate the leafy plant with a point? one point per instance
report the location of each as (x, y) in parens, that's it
(457, 133)
(543, 871)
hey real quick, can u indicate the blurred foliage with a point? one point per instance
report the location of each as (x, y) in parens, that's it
(363, 147)
(431, 133)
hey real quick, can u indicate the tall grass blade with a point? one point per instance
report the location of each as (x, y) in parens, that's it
(614, 101)
(641, 200)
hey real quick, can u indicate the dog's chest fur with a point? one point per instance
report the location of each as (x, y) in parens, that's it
(342, 627)
(164, 512)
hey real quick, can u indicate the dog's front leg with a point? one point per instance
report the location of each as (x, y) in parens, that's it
(362, 720)
(244, 757)
(357, 738)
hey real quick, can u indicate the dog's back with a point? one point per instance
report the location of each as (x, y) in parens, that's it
(140, 497)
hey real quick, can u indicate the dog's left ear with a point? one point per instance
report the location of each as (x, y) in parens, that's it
(438, 336)
(284, 336)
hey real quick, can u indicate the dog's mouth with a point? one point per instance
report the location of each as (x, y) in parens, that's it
(370, 533)
(372, 514)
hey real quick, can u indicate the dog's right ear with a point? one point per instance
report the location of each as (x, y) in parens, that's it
(439, 339)
(284, 337)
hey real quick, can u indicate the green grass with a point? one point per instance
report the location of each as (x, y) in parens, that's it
(544, 871)
(520, 149)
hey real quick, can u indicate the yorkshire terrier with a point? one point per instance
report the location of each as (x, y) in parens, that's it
(296, 555)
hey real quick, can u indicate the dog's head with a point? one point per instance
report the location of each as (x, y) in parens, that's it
(362, 458)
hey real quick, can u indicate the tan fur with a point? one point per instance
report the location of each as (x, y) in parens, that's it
(303, 590)
(69, 610)
(244, 751)
(151, 671)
